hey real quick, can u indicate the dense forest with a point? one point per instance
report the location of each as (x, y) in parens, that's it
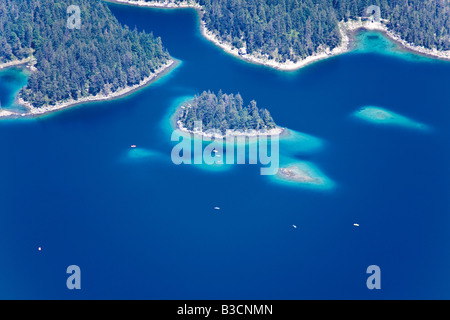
(103, 56)
(224, 111)
(293, 29)
(100, 57)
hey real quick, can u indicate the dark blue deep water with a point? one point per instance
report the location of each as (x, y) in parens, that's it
(141, 227)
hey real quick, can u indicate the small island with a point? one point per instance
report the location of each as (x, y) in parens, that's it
(382, 116)
(224, 114)
(295, 173)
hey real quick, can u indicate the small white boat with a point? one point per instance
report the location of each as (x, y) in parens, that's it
(215, 151)
(356, 224)
(216, 208)
(295, 227)
(133, 146)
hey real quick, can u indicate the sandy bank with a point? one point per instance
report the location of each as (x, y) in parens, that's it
(217, 134)
(15, 63)
(6, 113)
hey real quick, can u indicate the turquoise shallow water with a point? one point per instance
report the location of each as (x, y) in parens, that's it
(141, 227)
(376, 42)
(11, 80)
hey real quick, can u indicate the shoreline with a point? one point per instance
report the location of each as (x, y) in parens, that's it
(347, 30)
(36, 112)
(262, 60)
(211, 133)
(16, 63)
(422, 51)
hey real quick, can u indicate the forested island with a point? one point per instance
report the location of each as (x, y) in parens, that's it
(276, 32)
(222, 112)
(99, 60)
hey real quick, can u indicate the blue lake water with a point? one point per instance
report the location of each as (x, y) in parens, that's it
(141, 227)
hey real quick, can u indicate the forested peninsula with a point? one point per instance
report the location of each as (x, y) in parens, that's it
(221, 114)
(99, 60)
(288, 34)
(103, 59)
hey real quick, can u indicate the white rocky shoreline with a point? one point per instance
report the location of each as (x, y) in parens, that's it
(217, 134)
(15, 63)
(345, 29)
